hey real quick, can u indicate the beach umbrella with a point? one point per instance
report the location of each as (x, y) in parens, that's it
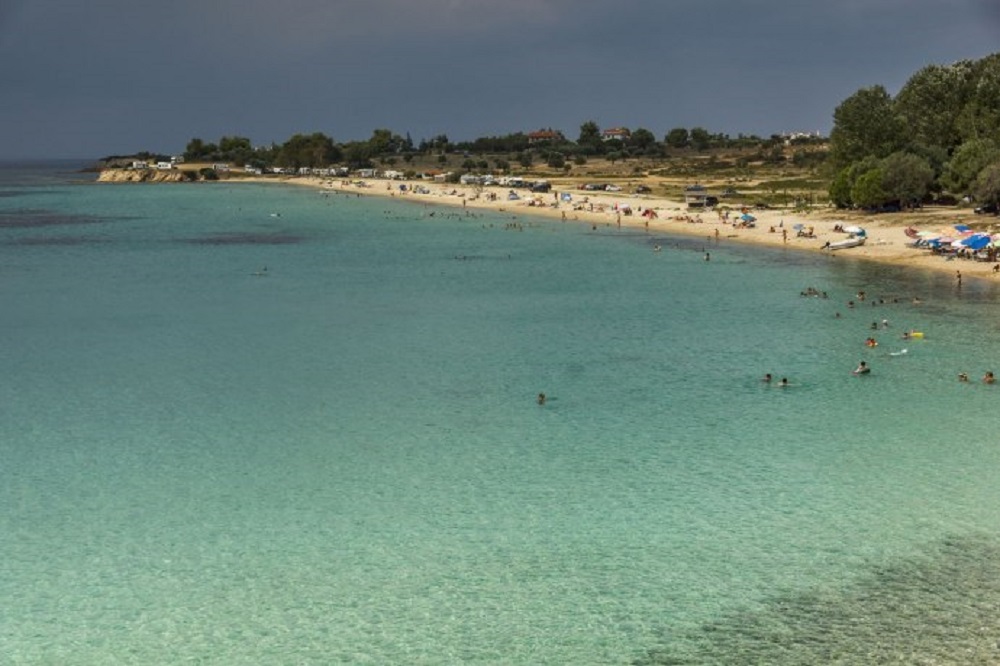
(975, 241)
(963, 229)
(747, 217)
(799, 226)
(854, 230)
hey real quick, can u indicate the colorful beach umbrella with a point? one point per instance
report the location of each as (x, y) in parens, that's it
(975, 241)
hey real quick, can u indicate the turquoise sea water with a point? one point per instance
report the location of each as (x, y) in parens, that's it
(340, 459)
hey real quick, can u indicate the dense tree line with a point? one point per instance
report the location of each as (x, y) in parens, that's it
(387, 148)
(939, 137)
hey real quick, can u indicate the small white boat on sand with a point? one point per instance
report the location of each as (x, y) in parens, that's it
(852, 241)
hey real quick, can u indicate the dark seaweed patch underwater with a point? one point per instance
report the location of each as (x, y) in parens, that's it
(941, 607)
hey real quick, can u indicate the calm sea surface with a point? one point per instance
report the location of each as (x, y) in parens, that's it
(246, 424)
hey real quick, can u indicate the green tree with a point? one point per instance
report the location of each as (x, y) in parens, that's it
(906, 177)
(865, 124)
(235, 149)
(555, 159)
(642, 139)
(931, 101)
(357, 154)
(868, 191)
(981, 116)
(591, 141)
(440, 143)
(199, 151)
(774, 155)
(312, 150)
(381, 142)
(677, 138)
(987, 185)
(840, 189)
(590, 134)
(700, 138)
(968, 160)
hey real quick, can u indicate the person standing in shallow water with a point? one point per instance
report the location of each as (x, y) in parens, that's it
(541, 398)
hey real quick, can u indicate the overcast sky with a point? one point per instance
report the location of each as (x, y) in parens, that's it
(88, 78)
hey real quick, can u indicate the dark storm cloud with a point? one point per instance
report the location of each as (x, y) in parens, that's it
(106, 76)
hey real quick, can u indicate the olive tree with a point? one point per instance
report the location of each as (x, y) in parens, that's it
(906, 177)
(867, 190)
(987, 185)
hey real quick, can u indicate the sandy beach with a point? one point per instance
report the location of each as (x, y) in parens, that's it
(886, 242)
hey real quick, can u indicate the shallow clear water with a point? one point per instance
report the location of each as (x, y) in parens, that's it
(341, 460)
